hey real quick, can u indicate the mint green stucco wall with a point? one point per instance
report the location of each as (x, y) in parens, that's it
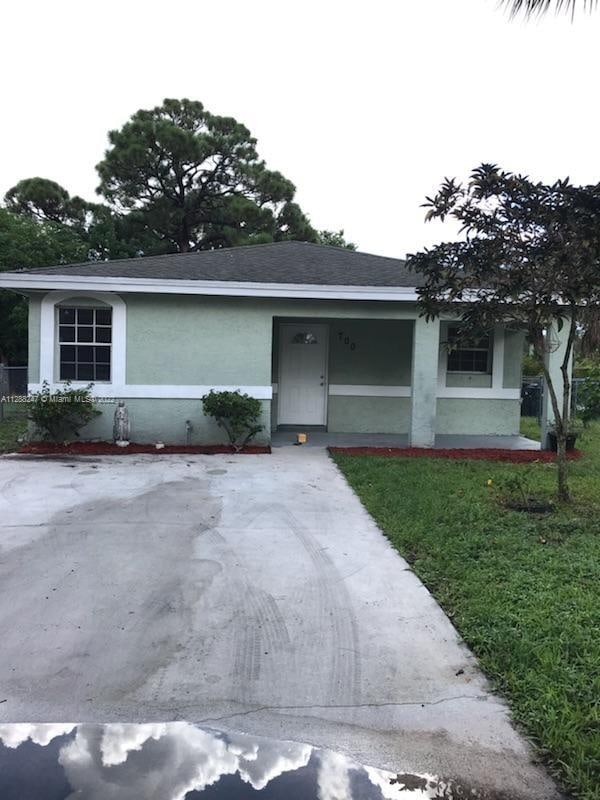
(468, 380)
(368, 414)
(157, 419)
(192, 340)
(195, 340)
(381, 357)
(179, 339)
(514, 344)
(473, 417)
(382, 354)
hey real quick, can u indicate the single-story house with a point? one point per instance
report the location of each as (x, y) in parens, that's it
(324, 337)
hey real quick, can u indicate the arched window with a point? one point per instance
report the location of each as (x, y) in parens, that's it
(83, 338)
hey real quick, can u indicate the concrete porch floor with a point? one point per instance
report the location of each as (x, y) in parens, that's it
(325, 439)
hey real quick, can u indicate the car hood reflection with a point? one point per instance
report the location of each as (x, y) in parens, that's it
(177, 760)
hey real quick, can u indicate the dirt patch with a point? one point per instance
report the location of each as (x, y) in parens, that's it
(483, 454)
(110, 449)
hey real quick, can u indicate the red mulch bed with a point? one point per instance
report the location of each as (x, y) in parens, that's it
(483, 454)
(110, 449)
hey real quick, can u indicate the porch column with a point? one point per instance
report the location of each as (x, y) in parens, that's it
(553, 362)
(424, 379)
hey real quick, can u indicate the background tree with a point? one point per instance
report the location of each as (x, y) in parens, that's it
(193, 181)
(25, 242)
(46, 201)
(176, 178)
(335, 239)
(107, 235)
(531, 256)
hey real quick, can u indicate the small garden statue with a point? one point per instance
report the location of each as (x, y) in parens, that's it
(121, 425)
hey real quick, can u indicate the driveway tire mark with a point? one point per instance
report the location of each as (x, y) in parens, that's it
(338, 645)
(259, 626)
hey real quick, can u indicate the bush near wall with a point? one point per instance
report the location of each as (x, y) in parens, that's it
(61, 414)
(236, 413)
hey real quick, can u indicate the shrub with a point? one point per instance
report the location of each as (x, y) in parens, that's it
(237, 413)
(532, 366)
(60, 414)
(588, 397)
(586, 367)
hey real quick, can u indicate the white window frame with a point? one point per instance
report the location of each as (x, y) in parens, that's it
(487, 350)
(49, 349)
(495, 392)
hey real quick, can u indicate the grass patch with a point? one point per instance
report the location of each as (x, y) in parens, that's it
(524, 591)
(13, 424)
(530, 428)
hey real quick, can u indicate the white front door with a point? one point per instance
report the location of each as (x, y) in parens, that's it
(303, 374)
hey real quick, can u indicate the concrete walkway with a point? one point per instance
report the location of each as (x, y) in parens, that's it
(251, 593)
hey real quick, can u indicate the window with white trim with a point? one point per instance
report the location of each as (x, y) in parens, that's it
(84, 341)
(469, 355)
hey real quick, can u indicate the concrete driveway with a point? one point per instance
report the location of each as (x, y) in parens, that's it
(242, 592)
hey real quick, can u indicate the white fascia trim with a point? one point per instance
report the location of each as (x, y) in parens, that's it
(455, 392)
(157, 391)
(364, 390)
(220, 288)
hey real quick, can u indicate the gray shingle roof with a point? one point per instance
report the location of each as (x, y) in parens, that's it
(280, 262)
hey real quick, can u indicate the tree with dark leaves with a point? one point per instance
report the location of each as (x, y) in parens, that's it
(530, 258)
(195, 181)
(26, 242)
(335, 239)
(107, 235)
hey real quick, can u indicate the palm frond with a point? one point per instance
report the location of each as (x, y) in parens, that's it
(538, 7)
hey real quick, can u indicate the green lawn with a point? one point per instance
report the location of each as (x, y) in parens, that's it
(523, 591)
(12, 425)
(530, 427)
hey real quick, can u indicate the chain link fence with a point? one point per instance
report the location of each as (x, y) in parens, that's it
(13, 387)
(532, 396)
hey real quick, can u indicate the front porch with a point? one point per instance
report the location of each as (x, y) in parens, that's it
(391, 382)
(286, 438)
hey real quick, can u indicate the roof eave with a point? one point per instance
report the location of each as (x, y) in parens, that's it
(20, 281)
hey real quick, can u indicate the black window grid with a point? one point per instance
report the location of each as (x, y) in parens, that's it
(469, 357)
(85, 353)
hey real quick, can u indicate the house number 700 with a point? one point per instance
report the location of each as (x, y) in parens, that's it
(346, 340)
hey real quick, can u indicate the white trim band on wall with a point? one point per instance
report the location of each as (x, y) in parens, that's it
(443, 392)
(194, 392)
(365, 390)
(158, 391)
(460, 393)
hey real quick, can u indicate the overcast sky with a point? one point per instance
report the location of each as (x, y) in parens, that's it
(365, 106)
